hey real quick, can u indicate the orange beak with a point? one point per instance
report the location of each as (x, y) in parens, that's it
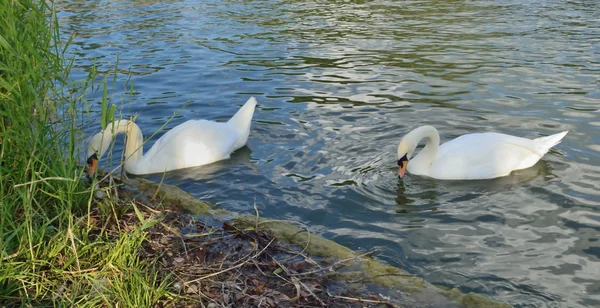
(402, 169)
(92, 164)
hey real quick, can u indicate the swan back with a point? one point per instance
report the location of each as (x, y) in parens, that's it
(480, 156)
(487, 156)
(192, 143)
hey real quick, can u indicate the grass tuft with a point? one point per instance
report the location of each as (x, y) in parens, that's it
(52, 251)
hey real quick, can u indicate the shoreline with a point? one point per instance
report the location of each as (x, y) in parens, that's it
(407, 290)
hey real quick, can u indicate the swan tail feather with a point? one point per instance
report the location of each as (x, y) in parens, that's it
(545, 143)
(241, 121)
(242, 117)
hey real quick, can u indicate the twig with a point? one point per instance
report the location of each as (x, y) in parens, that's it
(296, 283)
(79, 271)
(362, 300)
(257, 217)
(170, 229)
(112, 184)
(301, 253)
(115, 216)
(162, 178)
(234, 267)
(70, 235)
(258, 267)
(224, 258)
(330, 267)
(184, 248)
(147, 207)
(194, 235)
(309, 291)
(125, 141)
(373, 277)
(200, 293)
(205, 296)
(10, 257)
(45, 180)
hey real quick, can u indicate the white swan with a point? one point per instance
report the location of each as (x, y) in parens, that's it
(471, 156)
(193, 143)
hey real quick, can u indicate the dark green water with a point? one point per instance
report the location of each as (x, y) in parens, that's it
(340, 82)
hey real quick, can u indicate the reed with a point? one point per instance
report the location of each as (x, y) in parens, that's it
(53, 249)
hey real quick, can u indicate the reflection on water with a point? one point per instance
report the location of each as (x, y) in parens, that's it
(340, 82)
(241, 157)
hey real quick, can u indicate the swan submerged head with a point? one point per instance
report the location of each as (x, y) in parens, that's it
(409, 143)
(94, 154)
(406, 149)
(100, 143)
(402, 163)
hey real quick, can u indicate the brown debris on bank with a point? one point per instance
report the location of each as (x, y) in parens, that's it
(229, 266)
(216, 264)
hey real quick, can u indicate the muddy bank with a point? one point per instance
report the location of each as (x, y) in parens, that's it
(359, 270)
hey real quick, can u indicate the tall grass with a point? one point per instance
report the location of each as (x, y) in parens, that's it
(50, 252)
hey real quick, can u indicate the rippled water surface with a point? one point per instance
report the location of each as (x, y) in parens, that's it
(340, 82)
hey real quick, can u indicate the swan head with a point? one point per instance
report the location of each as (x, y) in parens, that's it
(94, 152)
(406, 148)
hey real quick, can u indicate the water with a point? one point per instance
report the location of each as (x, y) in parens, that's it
(340, 82)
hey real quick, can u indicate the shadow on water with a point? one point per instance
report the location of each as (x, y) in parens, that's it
(517, 178)
(433, 192)
(238, 158)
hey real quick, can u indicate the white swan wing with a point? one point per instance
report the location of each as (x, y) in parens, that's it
(193, 143)
(484, 156)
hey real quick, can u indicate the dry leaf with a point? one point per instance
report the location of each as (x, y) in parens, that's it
(298, 266)
(296, 282)
(227, 226)
(192, 289)
(310, 261)
(178, 260)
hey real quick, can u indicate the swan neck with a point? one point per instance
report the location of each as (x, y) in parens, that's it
(432, 144)
(134, 145)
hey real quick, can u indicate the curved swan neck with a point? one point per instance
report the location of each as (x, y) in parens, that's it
(429, 152)
(135, 141)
